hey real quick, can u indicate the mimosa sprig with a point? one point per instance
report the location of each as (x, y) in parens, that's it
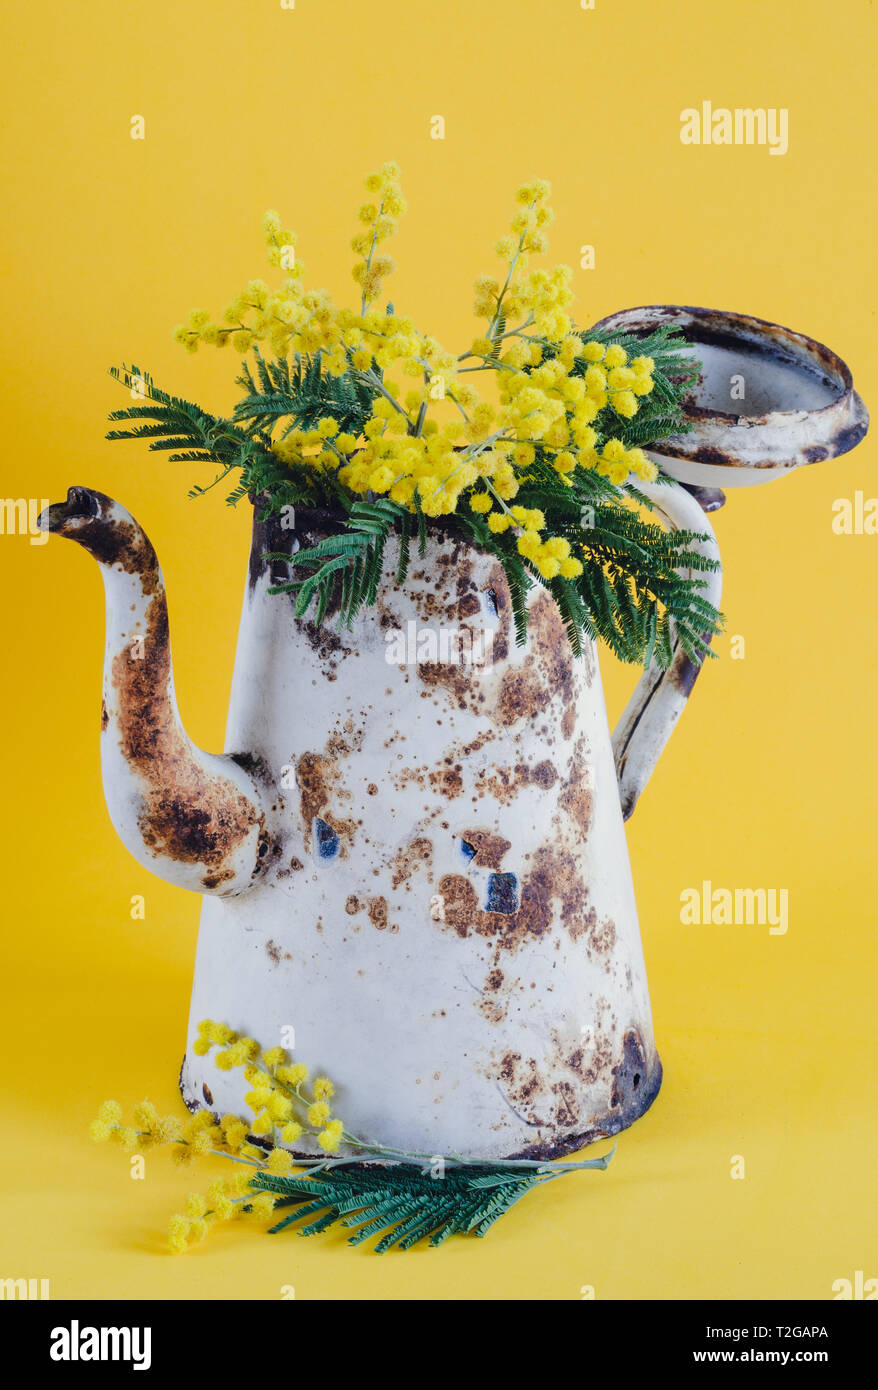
(364, 413)
(398, 1195)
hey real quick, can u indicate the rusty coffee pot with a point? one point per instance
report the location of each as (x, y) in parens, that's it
(419, 871)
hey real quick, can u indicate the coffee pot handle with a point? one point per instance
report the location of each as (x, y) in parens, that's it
(660, 695)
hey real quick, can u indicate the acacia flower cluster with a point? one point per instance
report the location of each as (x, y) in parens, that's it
(432, 442)
(282, 1114)
(529, 444)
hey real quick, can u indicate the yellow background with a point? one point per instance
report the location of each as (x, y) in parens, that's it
(767, 1042)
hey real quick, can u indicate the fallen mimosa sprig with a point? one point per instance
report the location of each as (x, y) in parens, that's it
(400, 1195)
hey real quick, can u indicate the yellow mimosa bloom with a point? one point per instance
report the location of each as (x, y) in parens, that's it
(280, 1163)
(145, 1114)
(625, 403)
(262, 1205)
(529, 544)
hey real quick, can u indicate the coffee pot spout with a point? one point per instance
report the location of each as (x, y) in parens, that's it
(194, 818)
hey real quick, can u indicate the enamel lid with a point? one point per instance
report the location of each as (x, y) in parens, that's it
(767, 401)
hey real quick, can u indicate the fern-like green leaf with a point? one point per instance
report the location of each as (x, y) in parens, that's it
(401, 1203)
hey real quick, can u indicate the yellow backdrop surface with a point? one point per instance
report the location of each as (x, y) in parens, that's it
(767, 1040)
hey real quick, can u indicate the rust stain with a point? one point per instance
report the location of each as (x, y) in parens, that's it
(468, 606)
(447, 782)
(460, 903)
(314, 776)
(318, 779)
(602, 939)
(346, 740)
(522, 694)
(575, 798)
(504, 784)
(498, 593)
(327, 646)
(460, 682)
(462, 562)
(522, 1083)
(405, 775)
(551, 646)
(489, 848)
(552, 886)
(410, 858)
(596, 1090)
(215, 879)
(109, 540)
(684, 673)
(458, 752)
(430, 606)
(552, 1091)
(377, 910)
(526, 688)
(630, 1076)
(584, 924)
(475, 745)
(187, 815)
(545, 675)
(493, 1010)
(462, 603)
(588, 1066)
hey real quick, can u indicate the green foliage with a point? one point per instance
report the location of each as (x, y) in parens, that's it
(350, 561)
(402, 1203)
(301, 394)
(192, 435)
(640, 583)
(675, 371)
(640, 587)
